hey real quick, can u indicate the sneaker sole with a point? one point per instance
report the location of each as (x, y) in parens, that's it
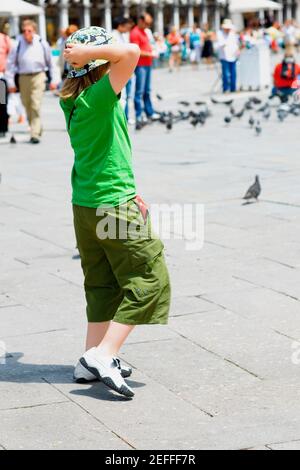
(83, 381)
(123, 390)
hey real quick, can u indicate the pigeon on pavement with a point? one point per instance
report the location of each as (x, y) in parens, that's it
(251, 121)
(254, 191)
(258, 128)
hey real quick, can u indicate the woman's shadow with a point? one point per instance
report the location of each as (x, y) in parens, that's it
(13, 371)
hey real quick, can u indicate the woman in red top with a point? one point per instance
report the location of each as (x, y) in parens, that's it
(286, 74)
(175, 42)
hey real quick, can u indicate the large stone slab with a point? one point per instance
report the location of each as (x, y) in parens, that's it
(58, 426)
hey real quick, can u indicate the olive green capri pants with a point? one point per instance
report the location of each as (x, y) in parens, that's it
(125, 274)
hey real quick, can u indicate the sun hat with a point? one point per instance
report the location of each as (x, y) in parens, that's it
(227, 24)
(92, 36)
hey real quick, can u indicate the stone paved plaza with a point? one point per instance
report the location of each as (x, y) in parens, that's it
(225, 372)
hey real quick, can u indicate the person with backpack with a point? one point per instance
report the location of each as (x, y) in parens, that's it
(27, 66)
(126, 280)
(287, 74)
(5, 46)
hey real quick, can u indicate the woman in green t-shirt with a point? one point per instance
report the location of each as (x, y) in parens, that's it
(125, 276)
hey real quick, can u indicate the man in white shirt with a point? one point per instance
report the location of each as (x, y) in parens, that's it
(29, 60)
(228, 46)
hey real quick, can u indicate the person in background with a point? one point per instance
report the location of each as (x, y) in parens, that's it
(121, 30)
(194, 44)
(287, 74)
(175, 41)
(143, 71)
(276, 36)
(290, 33)
(30, 59)
(5, 46)
(228, 47)
(161, 50)
(208, 45)
(65, 33)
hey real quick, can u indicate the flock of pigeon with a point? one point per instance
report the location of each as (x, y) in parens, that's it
(256, 110)
(259, 111)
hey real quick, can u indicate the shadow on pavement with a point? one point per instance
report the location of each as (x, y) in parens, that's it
(15, 372)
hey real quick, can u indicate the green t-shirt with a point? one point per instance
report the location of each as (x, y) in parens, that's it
(102, 172)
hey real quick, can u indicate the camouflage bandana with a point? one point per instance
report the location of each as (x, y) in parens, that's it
(92, 36)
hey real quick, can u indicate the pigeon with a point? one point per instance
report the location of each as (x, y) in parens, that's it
(13, 140)
(254, 191)
(227, 103)
(258, 128)
(183, 116)
(255, 100)
(202, 119)
(296, 112)
(267, 113)
(169, 123)
(240, 114)
(282, 114)
(162, 118)
(195, 121)
(184, 103)
(249, 105)
(263, 108)
(251, 121)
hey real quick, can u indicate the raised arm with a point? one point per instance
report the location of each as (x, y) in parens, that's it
(123, 59)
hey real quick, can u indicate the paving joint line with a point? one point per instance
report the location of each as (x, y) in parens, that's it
(147, 341)
(279, 262)
(65, 280)
(38, 405)
(192, 313)
(248, 318)
(207, 413)
(45, 240)
(222, 307)
(268, 288)
(219, 356)
(34, 333)
(88, 413)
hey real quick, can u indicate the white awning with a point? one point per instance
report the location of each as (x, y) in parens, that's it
(18, 8)
(245, 6)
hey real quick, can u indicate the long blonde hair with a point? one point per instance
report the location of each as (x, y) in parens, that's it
(72, 87)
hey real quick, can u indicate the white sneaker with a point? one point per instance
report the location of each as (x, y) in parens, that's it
(107, 370)
(82, 375)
